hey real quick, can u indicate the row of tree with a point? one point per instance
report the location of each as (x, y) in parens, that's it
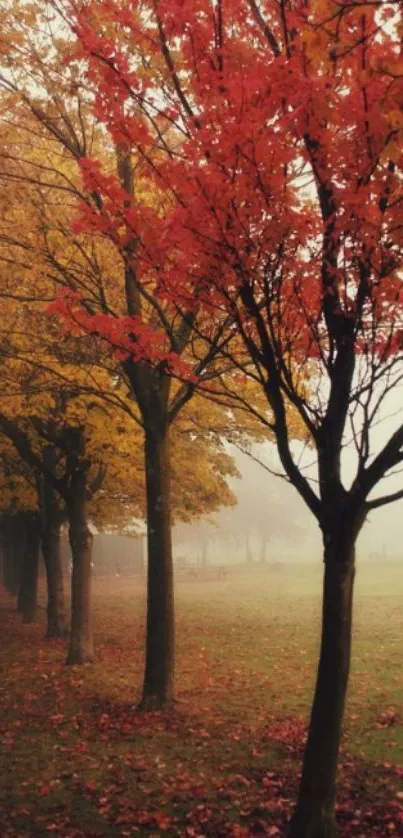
(71, 457)
(217, 190)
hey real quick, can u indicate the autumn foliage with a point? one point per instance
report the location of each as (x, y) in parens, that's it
(238, 164)
(255, 148)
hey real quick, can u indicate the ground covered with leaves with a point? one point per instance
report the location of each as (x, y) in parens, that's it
(77, 759)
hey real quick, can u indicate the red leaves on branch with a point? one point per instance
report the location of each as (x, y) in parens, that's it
(268, 153)
(128, 336)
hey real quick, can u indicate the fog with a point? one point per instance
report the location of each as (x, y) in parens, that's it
(270, 512)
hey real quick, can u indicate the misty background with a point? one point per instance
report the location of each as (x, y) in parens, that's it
(269, 525)
(271, 522)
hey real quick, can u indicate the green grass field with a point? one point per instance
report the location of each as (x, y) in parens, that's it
(76, 758)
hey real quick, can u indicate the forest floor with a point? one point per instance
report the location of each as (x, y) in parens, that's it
(77, 759)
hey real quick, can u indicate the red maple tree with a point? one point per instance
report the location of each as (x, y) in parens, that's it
(273, 133)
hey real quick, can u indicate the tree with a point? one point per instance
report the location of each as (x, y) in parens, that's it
(73, 486)
(283, 165)
(53, 514)
(123, 205)
(310, 275)
(21, 531)
(54, 409)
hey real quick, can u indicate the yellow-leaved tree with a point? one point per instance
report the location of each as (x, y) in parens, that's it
(109, 269)
(67, 405)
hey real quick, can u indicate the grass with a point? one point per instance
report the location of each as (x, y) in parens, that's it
(76, 758)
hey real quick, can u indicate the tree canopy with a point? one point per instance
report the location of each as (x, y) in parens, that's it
(239, 162)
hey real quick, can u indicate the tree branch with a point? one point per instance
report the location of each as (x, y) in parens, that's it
(272, 41)
(390, 456)
(385, 499)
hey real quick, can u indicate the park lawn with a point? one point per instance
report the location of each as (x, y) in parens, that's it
(76, 759)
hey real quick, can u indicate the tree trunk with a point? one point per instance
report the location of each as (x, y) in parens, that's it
(54, 578)
(314, 816)
(8, 565)
(28, 592)
(2, 552)
(52, 516)
(12, 554)
(20, 546)
(160, 642)
(81, 646)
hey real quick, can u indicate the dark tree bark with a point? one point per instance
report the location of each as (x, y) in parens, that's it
(56, 620)
(314, 816)
(2, 551)
(81, 646)
(160, 643)
(7, 558)
(51, 522)
(151, 388)
(21, 546)
(12, 554)
(28, 592)
(8, 572)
